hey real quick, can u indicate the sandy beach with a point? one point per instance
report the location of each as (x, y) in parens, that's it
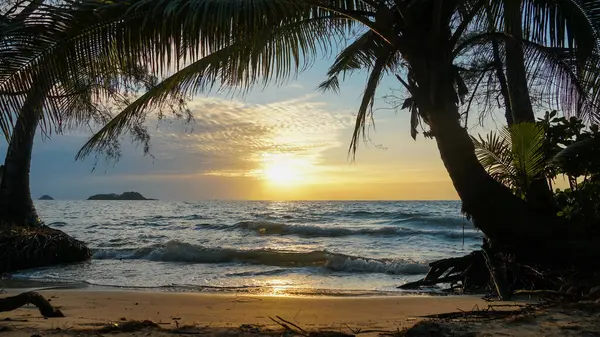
(90, 312)
(85, 309)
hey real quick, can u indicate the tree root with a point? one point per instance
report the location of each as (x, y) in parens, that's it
(466, 270)
(497, 275)
(15, 302)
(23, 248)
(505, 275)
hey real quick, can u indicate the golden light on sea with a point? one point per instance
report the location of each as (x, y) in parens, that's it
(278, 287)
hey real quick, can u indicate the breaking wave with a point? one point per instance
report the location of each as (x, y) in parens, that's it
(176, 251)
(274, 228)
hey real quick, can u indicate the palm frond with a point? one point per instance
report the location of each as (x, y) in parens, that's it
(494, 155)
(357, 55)
(368, 98)
(96, 36)
(514, 155)
(241, 64)
(527, 140)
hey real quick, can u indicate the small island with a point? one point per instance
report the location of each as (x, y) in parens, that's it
(124, 196)
(46, 197)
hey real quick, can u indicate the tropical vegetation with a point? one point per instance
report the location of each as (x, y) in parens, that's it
(555, 148)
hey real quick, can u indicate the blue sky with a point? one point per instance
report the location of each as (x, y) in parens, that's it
(286, 142)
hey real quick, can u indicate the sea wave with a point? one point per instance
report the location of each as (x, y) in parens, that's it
(176, 251)
(275, 228)
(448, 222)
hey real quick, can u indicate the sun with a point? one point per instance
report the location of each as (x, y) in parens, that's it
(282, 170)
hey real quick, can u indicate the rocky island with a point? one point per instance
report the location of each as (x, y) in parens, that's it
(46, 197)
(124, 196)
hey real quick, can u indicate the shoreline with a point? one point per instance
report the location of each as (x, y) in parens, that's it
(24, 284)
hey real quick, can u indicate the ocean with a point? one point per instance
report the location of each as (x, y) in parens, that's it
(289, 247)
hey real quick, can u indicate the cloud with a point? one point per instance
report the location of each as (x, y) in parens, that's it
(231, 138)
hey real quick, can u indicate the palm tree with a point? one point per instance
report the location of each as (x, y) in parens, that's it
(69, 97)
(43, 96)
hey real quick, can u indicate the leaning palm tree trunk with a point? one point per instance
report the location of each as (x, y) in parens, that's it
(494, 209)
(16, 205)
(24, 240)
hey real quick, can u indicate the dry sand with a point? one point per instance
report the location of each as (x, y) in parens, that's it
(87, 309)
(223, 314)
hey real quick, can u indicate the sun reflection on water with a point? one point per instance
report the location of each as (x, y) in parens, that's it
(278, 287)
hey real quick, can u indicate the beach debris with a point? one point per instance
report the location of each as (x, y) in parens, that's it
(129, 326)
(251, 328)
(490, 312)
(15, 302)
(189, 330)
(428, 329)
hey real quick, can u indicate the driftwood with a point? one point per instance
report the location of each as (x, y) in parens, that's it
(15, 302)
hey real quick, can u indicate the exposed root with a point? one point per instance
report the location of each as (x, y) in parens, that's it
(469, 269)
(502, 274)
(23, 248)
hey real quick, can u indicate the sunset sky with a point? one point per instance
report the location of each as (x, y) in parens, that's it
(287, 142)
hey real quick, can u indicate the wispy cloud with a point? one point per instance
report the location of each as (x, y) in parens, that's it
(231, 138)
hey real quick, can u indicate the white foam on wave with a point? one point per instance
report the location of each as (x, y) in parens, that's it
(275, 228)
(176, 251)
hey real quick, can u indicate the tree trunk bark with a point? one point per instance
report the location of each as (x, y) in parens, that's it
(516, 73)
(539, 193)
(16, 205)
(499, 68)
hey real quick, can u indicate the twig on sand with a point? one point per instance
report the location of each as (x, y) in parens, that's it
(292, 324)
(287, 327)
(299, 331)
